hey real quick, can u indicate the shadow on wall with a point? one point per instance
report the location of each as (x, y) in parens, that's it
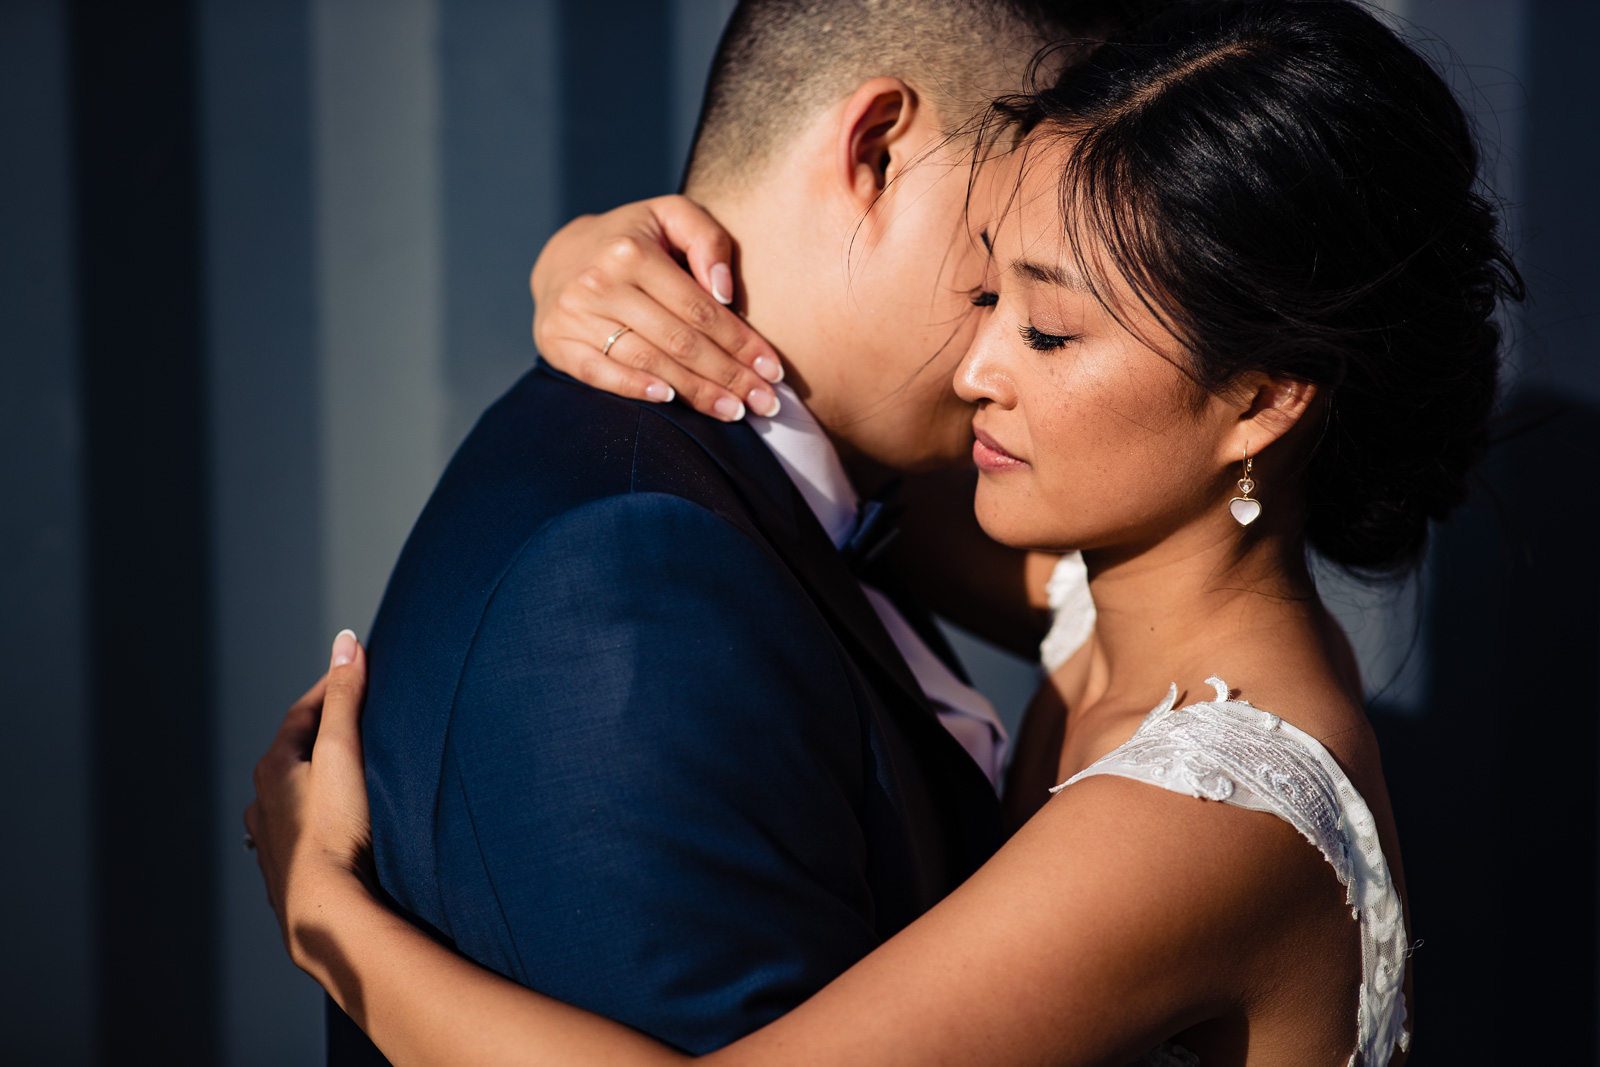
(1495, 786)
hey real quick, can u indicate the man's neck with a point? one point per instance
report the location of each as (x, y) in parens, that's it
(777, 291)
(778, 295)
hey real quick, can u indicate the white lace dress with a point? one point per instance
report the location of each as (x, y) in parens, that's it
(1228, 751)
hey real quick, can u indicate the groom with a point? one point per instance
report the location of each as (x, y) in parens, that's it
(638, 736)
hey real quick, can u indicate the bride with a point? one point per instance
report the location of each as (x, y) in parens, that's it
(1240, 305)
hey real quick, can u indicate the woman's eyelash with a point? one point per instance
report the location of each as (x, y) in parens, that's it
(1043, 342)
(1035, 339)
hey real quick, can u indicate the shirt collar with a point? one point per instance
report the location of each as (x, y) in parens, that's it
(806, 455)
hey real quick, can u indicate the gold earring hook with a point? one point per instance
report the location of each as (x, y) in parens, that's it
(1244, 508)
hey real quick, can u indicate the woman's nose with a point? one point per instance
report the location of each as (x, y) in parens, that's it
(985, 373)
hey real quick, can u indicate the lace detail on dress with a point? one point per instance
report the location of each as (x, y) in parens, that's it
(1228, 751)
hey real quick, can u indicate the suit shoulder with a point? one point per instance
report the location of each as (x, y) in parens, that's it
(639, 616)
(669, 544)
(550, 431)
(550, 446)
(557, 444)
(706, 591)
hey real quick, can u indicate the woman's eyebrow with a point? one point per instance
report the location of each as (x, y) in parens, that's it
(1049, 275)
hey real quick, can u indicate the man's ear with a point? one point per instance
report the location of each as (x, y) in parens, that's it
(873, 133)
(1269, 407)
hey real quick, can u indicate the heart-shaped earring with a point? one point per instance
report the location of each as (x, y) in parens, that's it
(1243, 508)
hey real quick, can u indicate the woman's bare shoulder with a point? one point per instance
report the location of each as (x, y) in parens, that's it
(1226, 857)
(1232, 901)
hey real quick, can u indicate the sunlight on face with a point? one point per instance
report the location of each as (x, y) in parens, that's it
(1088, 433)
(906, 320)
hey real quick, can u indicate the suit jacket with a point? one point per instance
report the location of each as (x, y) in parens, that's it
(634, 736)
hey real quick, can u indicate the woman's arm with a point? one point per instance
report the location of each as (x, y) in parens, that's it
(423, 1004)
(1118, 916)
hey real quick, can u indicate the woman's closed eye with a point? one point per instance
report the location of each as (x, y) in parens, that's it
(1043, 342)
(1035, 339)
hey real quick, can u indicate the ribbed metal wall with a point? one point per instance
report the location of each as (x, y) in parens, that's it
(262, 262)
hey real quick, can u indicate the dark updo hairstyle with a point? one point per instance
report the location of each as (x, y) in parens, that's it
(1290, 188)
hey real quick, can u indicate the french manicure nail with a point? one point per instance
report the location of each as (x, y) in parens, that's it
(763, 402)
(344, 648)
(722, 283)
(768, 368)
(728, 409)
(661, 394)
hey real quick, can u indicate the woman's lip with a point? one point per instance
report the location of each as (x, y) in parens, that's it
(989, 456)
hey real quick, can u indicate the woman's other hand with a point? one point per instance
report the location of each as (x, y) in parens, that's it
(309, 822)
(600, 273)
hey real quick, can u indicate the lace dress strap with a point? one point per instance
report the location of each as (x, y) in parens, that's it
(1229, 751)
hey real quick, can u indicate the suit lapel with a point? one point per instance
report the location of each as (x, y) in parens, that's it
(963, 799)
(783, 515)
(883, 577)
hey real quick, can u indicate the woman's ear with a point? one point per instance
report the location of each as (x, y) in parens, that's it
(874, 132)
(1270, 406)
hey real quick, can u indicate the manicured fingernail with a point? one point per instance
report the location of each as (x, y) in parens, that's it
(344, 648)
(728, 409)
(768, 368)
(661, 394)
(722, 283)
(763, 402)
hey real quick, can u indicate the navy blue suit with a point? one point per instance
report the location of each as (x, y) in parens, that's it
(634, 736)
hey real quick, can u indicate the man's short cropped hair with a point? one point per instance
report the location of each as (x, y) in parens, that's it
(781, 61)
